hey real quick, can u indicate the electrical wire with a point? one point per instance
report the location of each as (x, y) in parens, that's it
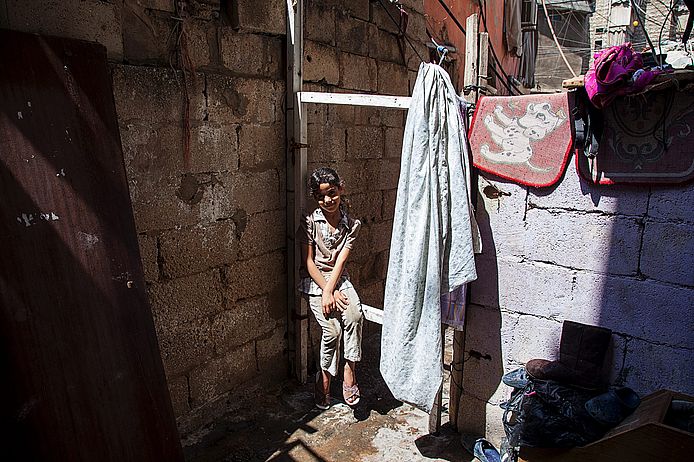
(402, 33)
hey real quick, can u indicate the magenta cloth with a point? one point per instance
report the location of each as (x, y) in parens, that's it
(616, 71)
(453, 308)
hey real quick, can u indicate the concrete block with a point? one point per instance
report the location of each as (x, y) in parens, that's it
(364, 143)
(254, 192)
(372, 116)
(575, 193)
(204, 9)
(241, 323)
(181, 301)
(320, 63)
(354, 35)
(261, 147)
(168, 202)
(380, 236)
(223, 374)
(388, 174)
(645, 309)
(672, 203)
(358, 72)
(608, 244)
(500, 216)
(272, 355)
(202, 44)
(178, 391)
(393, 142)
(417, 27)
(149, 254)
(161, 5)
(614, 361)
(357, 8)
(99, 22)
(523, 287)
(381, 13)
(265, 232)
(366, 207)
(389, 198)
(265, 60)
(667, 252)
(392, 79)
(146, 35)
(326, 142)
(650, 367)
(231, 100)
(413, 57)
(152, 151)
(319, 24)
(257, 276)
(266, 16)
(214, 148)
(519, 347)
(384, 47)
(361, 250)
(147, 94)
(185, 346)
(341, 115)
(372, 294)
(188, 251)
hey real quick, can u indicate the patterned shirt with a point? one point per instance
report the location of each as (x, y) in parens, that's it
(315, 230)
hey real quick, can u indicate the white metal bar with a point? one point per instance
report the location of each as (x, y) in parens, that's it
(372, 314)
(354, 99)
(297, 312)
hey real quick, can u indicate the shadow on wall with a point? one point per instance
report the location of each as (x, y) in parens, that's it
(482, 356)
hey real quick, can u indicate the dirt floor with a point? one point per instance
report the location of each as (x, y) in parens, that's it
(284, 425)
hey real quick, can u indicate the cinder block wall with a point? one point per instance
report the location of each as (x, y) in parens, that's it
(618, 257)
(211, 223)
(352, 47)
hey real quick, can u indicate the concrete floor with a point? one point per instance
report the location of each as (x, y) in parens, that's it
(284, 425)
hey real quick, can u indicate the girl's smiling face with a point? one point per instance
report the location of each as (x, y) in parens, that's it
(328, 197)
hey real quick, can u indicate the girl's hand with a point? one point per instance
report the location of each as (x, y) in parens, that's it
(341, 300)
(328, 302)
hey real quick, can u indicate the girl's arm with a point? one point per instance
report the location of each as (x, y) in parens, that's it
(340, 300)
(328, 301)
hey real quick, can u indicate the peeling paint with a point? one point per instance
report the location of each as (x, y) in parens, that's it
(28, 103)
(88, 240)
(30, 219)
(61, 172)
(19, 115)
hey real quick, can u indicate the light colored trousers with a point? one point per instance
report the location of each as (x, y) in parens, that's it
(332, 329)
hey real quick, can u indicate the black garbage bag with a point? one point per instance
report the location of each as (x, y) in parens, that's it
(550, 414)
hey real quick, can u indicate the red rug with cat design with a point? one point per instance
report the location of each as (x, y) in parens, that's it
(647, 138)
(526, 139)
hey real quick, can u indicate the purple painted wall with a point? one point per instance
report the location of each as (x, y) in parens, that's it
(619, 257)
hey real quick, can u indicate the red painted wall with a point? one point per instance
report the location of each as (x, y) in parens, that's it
(442, 26)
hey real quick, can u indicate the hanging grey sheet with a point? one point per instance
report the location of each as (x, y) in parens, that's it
(433, 241)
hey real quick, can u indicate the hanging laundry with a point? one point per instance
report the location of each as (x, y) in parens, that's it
(616, 71)
(512, 26)
(646, 138)
(433, 241)
(526, 139)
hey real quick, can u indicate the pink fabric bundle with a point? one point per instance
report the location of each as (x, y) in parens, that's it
(616, 71)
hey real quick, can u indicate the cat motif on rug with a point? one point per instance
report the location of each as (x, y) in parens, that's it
(514, 134)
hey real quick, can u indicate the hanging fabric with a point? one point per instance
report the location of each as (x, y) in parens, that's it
(433, 241)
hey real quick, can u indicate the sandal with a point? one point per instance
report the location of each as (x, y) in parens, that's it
(351, 394)
(321, 399)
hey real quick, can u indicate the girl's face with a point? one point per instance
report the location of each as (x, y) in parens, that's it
(328, 197)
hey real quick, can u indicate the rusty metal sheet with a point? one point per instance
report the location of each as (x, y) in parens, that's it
(82, 377)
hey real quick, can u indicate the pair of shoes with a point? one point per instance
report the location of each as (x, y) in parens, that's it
(351, 394)
(320, 397)
(613, 406)
(516, 379)
(485, 451)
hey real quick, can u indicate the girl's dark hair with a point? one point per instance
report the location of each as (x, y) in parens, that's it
(323, 175)
(327, 175)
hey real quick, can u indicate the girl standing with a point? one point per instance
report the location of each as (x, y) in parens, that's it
(326, 237)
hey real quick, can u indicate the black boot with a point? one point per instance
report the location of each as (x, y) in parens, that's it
(581, 357)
